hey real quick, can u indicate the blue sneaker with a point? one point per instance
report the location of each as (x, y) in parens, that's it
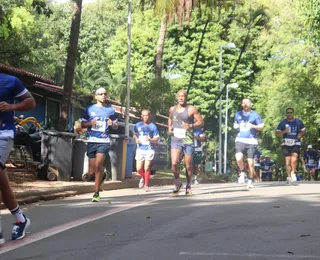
(19, 229)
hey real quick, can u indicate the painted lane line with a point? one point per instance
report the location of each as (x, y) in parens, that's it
(12, 245)
(289, 256)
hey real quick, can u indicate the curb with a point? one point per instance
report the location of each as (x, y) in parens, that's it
(32, 196)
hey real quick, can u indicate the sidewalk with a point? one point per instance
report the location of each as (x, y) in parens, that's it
(28, 189)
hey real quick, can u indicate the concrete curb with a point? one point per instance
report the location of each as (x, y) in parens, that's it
(32, 196)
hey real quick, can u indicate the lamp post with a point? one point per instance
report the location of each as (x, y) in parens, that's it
(230, 45)
(128, 70)
(233, 85)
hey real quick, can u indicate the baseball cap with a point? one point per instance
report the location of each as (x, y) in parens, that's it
(100, 90)
(267, 156)
(309, 146)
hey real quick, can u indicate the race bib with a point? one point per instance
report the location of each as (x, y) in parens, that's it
(179, 133)
(266, 168)
(311, 161)
(197, 149)
(99, 126)
(244, 127)
(143, 140)
(289, 142)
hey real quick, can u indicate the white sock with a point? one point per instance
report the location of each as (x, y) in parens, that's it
(18, 214)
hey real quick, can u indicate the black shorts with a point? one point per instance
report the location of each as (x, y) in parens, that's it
(94, 148)
(288, 150)
(266, 175)
(250, 149)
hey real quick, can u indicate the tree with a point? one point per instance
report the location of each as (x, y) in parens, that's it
(70, 65)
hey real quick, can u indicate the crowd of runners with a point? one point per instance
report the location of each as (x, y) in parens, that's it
(186, 129)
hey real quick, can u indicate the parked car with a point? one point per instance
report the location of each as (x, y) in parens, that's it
(160, 160)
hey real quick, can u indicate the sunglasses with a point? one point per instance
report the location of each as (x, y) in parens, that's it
(100, 94)
(289, 112)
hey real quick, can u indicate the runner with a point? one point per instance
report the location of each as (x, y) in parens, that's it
(257, 175)
(291, 129)
(249, 123)
(11, 89)
(199, 137)
(146, 133)
(182, 119)
(267, 167)
(310, 158)
(98, 119)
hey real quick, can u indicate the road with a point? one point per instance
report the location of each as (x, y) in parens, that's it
(220, 221)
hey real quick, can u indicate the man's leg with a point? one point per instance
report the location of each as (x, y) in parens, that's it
(147, 164)
(140, 170)
(8, 198)
(294, 163)
(189, 166)
(98, 169)
(288, 165)
(175, 167)
(251, 167)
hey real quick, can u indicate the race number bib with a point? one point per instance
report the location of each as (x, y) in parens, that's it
(244, 127)
(266, 168)
(197, 149)
(99, 126)
(289, 142)
(143, 140)
(179, 133)
(311, 161)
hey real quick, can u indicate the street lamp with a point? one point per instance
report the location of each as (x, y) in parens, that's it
(233, 85)
(230, 45)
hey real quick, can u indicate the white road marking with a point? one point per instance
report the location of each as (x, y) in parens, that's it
(289, 256)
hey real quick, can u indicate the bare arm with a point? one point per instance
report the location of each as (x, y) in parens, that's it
(257, 127)
(281, 133)
(26, 103)
(302, 133)
(198, 120)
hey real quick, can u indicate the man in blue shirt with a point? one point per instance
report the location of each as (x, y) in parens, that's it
(11, 89)
(310, 158)
(199, 137)
(146, 133)
(248, 122)
(98, 119)
(291, 129)
(266, 168)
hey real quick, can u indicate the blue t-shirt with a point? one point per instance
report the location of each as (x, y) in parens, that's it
(142, 131)
(310, 157)
(100, 131)
(295, 127)
(198, 133)
(247, 135)
(10, 89)
(266, 166)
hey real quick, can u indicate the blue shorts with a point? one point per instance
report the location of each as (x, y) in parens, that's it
(94, 148)
(310, 166)
(186, 148)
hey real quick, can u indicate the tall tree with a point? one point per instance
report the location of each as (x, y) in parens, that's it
(70, 65)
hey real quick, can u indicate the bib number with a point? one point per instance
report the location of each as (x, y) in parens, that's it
(99, 126)
(289, 142)
(311, 161)
(179, 133)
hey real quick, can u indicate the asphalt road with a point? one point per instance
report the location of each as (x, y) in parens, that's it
(220, 221)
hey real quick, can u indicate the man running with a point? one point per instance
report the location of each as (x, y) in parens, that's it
(199, 137)
(146, 133)
(11, 89)
(98, 119)
(183, 118)
(249, 123)
(266, 168)
(310, 158)
(291, 129)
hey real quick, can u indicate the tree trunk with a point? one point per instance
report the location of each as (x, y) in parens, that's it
(160, 46)
(70, 65)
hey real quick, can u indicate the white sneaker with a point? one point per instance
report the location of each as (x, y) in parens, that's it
(141, 183)
(241, 179)
(196, 182)
(293, 177)
(250, 185)
(289, 180)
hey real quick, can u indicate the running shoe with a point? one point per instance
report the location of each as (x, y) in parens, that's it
(176, 188)
(19, 229)
(241, 179)
(141, 183)
(96, 197)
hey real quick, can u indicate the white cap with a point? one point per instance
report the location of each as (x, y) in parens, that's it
(267, 156)
(309, 146)
(99, 90)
